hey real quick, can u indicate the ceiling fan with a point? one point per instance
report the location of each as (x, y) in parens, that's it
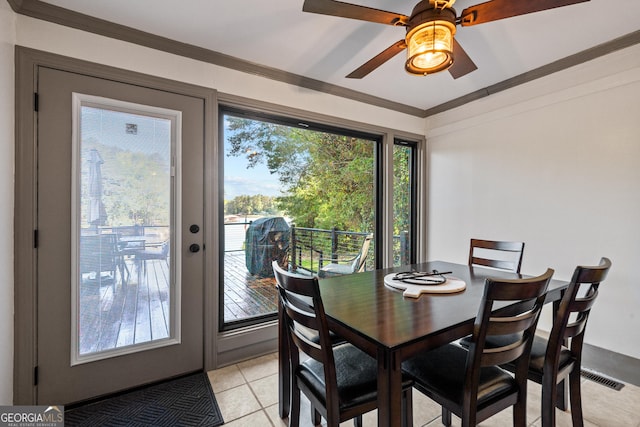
(430, 43)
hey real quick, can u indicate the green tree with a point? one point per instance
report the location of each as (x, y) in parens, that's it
(249, 205)
(136, 186)
(401, 189)
(328, 179)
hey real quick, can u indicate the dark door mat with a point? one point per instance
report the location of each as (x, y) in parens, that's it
(185, 401)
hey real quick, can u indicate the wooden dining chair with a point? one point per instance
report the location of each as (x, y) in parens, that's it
(496, 254)
(339, 380)
(551, 360)
(470, 383)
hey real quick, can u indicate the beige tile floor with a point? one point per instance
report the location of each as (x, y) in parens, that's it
(247, 394)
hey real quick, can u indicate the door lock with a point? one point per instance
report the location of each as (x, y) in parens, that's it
(194, 248)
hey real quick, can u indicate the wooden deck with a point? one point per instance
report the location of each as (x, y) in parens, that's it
(246, 296)
(139, 311)
(135, 313)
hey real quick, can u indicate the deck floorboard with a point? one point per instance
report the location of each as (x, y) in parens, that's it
(138, 311)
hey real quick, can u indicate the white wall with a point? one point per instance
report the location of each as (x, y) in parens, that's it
(7, 41)
(554, 163)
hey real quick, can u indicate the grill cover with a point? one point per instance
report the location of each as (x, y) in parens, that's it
(267, 240)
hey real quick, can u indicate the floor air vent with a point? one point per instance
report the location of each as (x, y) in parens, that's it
(600, 379)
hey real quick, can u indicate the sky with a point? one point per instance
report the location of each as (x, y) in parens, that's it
(241, 181)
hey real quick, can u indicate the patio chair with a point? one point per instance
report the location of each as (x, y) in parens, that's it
(130, 239)
(338, 267)
(100, 259)
(150, 253)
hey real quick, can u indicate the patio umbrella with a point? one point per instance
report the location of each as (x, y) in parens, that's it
(97, 213)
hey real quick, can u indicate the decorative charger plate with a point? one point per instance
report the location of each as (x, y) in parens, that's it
(452, 285)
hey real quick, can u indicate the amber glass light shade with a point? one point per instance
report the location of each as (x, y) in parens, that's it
(430, 47)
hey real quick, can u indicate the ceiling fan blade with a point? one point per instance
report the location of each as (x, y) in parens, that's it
(501, 9)
(353, 11)
(378, 60)
(462, 63)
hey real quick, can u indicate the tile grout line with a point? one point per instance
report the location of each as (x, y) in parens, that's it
(262, 408)
(245, 383)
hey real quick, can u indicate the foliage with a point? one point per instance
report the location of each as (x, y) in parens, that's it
(401, 188)
(135, 185)
(328, 179)
(249, 205)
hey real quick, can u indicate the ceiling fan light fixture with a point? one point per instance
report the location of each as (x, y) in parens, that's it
(430, 47)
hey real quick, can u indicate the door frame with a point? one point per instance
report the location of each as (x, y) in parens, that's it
(27, 63)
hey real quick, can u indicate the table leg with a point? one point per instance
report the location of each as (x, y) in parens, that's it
(284, 368)
(389, 389)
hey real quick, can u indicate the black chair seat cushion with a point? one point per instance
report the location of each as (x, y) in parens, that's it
(538, 352)
(442, 372)
(356, 375)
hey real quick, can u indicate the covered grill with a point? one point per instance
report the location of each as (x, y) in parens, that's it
(267, 240)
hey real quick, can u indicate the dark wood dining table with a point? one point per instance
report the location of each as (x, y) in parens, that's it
(392, 328)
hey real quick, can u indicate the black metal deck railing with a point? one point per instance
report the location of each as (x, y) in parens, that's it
(310, 247)
(307, 246)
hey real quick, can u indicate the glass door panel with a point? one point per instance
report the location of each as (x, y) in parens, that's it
(124, 287)
(403, 203)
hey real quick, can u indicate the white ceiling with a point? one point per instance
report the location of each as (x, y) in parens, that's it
(277, 34)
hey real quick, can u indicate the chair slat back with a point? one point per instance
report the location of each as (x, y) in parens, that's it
(511, 324)
(572, 316)
(304, 314)
(496, 254)
(520, 320)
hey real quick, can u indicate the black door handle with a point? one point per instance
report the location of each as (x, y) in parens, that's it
(194, 248)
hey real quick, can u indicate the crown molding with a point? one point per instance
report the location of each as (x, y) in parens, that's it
(58, 15)
(553, 67)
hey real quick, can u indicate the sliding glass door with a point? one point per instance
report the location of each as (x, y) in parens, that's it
(305, 195)
(300, 194)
